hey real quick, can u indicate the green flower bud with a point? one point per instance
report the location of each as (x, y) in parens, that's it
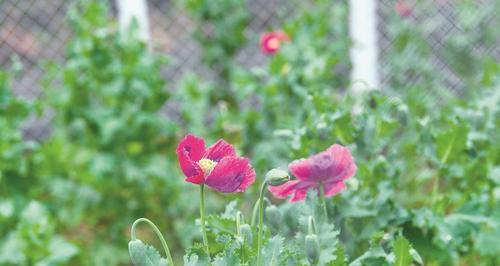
(312, 248)
(246, 232)
(277, 177)
(273, 216)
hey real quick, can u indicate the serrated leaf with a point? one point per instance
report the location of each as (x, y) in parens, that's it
(145, 255)
(220, 224)
(230, 255)
(272, 250)
(196, 256)
(340, 259)
(402, 251)
(230, 210)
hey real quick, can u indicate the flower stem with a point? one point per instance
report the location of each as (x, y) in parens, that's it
(239, 235)
(261, 221)
(158, 233)
(202, 218)
(322, 199)
(255, 212)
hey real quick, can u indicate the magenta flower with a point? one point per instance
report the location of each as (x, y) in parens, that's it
(217, 167)
(403, 8)
(270, 42)
(327, 169)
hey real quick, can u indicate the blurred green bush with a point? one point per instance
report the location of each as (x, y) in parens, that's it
(428, 172)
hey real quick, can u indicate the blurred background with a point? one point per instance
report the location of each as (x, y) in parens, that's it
(90, 115)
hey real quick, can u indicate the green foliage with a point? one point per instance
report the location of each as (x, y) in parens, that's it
(426, 189)
(34, 240)
(402, 252)
(145, 255)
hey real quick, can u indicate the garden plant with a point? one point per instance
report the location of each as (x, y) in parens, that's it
(275, 164)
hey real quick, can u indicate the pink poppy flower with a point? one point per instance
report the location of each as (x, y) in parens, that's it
(327, 169)
(270, 42)
(403, 8)
(218, 166)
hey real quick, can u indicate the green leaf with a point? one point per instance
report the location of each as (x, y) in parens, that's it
(272, 250)
(196, 256)
(230, 254)
(487, 243)
(145, 255)
(451, 142)
(220, 224)
(402, 251)
(340, 259)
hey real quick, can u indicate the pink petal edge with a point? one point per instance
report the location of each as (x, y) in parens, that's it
(219, 150)
(189, 151)
(229, 175)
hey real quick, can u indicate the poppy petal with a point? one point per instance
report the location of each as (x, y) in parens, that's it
(230, 174)
(196, 179)
(296, 187)
(344, 166)
(300, 194)
(301, 169)
(285, 190)
(333, 188)
(219, 150)
(248, 180)
(189, 151)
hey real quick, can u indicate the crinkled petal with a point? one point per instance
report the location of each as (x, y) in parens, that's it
(301, 168)
(248, 180)
(189, 151)
(344, 166)
(285, 190)
(219, 150)
(230, 175)
(334, 164)
(296, 187)
(300, 194)
(333, 188)
(196, 179)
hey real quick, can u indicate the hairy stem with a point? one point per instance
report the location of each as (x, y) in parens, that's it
(321, 191)
(202, 218)
(261, 222)
(239, 221)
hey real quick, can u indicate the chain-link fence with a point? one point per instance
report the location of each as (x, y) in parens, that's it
(34, 31)
(442, 36)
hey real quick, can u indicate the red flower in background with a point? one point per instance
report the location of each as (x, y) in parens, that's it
(270, 42)
(217, 167)
(327, 170)
(403, 8)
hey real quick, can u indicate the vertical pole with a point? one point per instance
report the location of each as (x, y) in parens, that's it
(128, 10)
(364, 52)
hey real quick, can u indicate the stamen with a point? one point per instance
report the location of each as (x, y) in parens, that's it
(207, 165)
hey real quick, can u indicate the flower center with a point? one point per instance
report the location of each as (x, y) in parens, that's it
(273, 43)
(206, 165)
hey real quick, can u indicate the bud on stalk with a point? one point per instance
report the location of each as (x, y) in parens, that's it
(312, 248)
(276, 177)
(246, 233)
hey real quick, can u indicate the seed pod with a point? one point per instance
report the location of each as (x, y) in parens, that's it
(276, 177)
(246, 232)
(312, 248)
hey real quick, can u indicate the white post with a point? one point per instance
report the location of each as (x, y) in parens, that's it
(128, 10)
(364, 53)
